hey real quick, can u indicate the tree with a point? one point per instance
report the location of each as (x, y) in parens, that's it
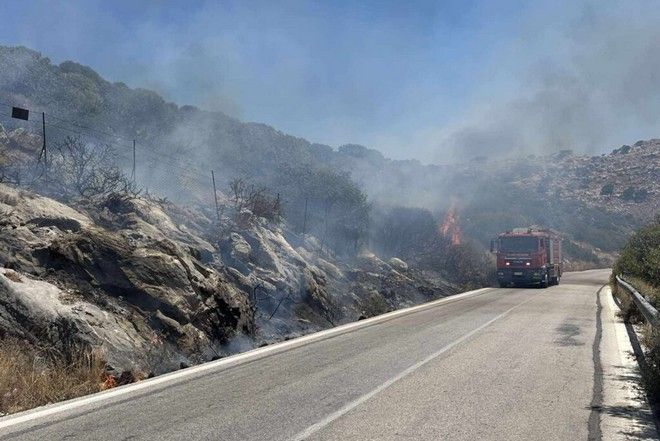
(325, 203)
(403, 231)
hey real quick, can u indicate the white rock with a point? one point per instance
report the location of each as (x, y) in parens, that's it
(398, 264)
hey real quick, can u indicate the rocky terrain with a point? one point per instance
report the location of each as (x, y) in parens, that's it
(625, 181)
(612, 194)
(156, 285)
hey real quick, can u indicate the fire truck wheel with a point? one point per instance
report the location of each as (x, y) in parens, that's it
(544, 283)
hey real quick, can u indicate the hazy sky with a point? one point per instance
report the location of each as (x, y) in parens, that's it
(426, 80)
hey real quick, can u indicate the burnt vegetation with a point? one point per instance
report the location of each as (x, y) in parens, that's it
(413, 235)
(312, 197)
(79, 169)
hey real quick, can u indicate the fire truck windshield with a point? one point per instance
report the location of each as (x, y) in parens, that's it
(521, 244)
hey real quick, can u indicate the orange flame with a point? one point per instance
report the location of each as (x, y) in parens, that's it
(449, 227)
(108, 382)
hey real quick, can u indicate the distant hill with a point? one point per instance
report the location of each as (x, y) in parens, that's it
(595, 201)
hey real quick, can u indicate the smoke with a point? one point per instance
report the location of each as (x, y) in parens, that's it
(594, 84)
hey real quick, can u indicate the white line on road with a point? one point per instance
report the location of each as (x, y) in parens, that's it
(47, 411)
(362, 399)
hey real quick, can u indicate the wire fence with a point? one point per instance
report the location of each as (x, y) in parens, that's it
(157, 171)
(154, 171)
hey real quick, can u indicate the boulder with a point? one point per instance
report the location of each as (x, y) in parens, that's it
(398, 264)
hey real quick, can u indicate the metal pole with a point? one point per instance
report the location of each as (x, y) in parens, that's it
(133, 174)
(215, 195)
(43, 148)
(305, 219)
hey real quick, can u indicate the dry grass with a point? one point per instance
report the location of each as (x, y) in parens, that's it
(652, 293)
(651, 343)
(31, 378)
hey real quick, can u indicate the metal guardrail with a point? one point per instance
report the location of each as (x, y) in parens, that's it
(651, 314)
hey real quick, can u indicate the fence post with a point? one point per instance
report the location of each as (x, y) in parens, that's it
(215, 196)
(305, 219)
(133, 172)
(44, 151)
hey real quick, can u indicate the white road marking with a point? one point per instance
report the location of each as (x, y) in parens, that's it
(50, 410)
(362, 399)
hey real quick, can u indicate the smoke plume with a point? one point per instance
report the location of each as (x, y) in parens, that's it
(594, 84)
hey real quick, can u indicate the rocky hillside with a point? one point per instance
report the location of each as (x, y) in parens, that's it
(151, 272)
(328, 191)
(594, 201)
(156, 285)
(626, 181)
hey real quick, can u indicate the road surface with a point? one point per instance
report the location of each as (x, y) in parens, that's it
(496, 364)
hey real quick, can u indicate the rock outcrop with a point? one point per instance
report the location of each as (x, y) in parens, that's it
(156, 285)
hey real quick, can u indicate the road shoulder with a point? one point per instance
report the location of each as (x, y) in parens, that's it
(625, 413)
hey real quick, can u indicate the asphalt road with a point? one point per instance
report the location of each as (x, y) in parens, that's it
(505, 364)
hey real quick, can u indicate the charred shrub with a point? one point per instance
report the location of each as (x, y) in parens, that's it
(256, 200)
(81, 169)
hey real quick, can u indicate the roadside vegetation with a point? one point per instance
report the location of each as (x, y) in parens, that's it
(412, 234)
(639, 264)
(31, 377)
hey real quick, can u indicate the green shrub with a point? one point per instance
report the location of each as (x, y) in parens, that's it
(640, 257)
(639, 262)
(628, 194)
(607, 189)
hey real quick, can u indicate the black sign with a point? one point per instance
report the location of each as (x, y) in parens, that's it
(18, 113)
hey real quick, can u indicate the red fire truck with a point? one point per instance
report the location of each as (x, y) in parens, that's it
(528, 256)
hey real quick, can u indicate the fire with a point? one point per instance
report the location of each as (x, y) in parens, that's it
(449, 227)
(108, 382)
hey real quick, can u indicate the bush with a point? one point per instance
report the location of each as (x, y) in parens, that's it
(403, 232)
(466, 264)
(628, 194)
(607, 189)
(576, 252)
(81, 169)
(639, 262)
(640, 257)
(327, 204)
(256, 200)
(641, 195)
(624, 149)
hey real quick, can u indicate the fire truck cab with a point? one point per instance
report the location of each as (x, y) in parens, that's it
(528, 256)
